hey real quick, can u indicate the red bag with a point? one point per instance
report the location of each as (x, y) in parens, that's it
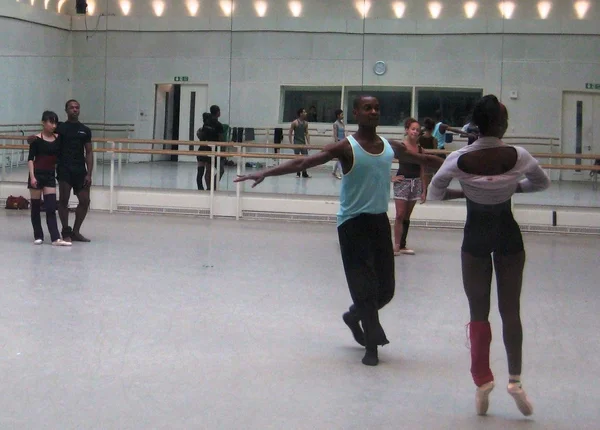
(20, 202)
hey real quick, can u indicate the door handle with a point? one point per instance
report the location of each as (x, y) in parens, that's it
(589, 147)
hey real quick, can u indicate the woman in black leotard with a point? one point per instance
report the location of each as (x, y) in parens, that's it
(490, 172)
(43, 153)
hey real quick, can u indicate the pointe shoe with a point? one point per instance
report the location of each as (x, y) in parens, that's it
(38, 241)
(60, 242)
(516, 391)
(482, 398)
(407, 251)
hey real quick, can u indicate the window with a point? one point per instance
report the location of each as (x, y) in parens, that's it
(454, 105)
(394, 104)
(320, 103)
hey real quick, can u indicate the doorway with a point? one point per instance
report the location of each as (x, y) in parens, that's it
(580, 133)
(177, 115)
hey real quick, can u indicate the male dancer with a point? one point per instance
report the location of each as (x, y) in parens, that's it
(363, 225)
(298, 135)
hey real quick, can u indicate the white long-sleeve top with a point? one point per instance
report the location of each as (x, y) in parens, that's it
(492, 189)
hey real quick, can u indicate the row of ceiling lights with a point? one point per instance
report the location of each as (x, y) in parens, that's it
(506, 8)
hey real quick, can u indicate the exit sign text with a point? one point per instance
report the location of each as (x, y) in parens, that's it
(590, 86)
(181, 79)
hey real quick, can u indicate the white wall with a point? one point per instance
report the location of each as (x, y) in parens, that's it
(539, 67)
(114, 62)
(35, 70)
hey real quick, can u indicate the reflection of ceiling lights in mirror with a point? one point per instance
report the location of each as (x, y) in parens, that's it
(581, 8)
(46, 4)
(295, 8)
(363, 7)
(506, 9)
(470, 9)
(261, 8)
(192, 7)
(544, 9)
(435, 9)
(60, 5)
(125, 6)
(32, 2)
(399, 9)
(227, 7)
(91, 7)
(159, 7)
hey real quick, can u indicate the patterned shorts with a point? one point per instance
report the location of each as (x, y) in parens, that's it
(408, 189)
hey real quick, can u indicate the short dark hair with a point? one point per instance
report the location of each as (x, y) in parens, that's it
(299, 111)
(409, 121)
(214, 109)
(206, 117)
(489, 114)
(429, 124)
(50, 116)
(358, 99)
(338, 112)
(71, 101)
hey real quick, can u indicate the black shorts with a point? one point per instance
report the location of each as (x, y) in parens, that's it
(491, 228)
(302, 151)
(45, 179)
(74, 177)
(204, 158)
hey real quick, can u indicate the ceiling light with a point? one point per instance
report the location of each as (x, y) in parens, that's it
(399, 9)
(295, 8)
(506, 9)
(470, 9)
(435, 8)
(581, 8)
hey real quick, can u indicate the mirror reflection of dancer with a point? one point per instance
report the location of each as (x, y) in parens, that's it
(43, 152)
(204, 164)
(409, 186)
(363, 225)
(339, 134)
(298, 135)
(490, 172)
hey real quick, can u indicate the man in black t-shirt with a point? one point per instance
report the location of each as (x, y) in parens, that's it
(73, 170)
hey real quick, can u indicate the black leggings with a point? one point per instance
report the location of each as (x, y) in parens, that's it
(368, 257)
(492, 230)
(36, 219)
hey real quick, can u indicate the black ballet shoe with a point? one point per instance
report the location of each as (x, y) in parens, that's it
(78, 237)
(353, 323)
(371, 358)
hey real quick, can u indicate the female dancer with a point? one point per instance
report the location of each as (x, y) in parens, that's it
(43, 152)
(409, 186)
(204, 166)
(490, 172)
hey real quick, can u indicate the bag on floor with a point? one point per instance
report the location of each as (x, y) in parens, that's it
(20, 202)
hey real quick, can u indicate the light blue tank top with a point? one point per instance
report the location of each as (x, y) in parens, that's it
(341, 131)
(441, 137)
(366, 187)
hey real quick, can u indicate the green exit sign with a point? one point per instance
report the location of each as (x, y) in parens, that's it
(590, 86)
(181, 78)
